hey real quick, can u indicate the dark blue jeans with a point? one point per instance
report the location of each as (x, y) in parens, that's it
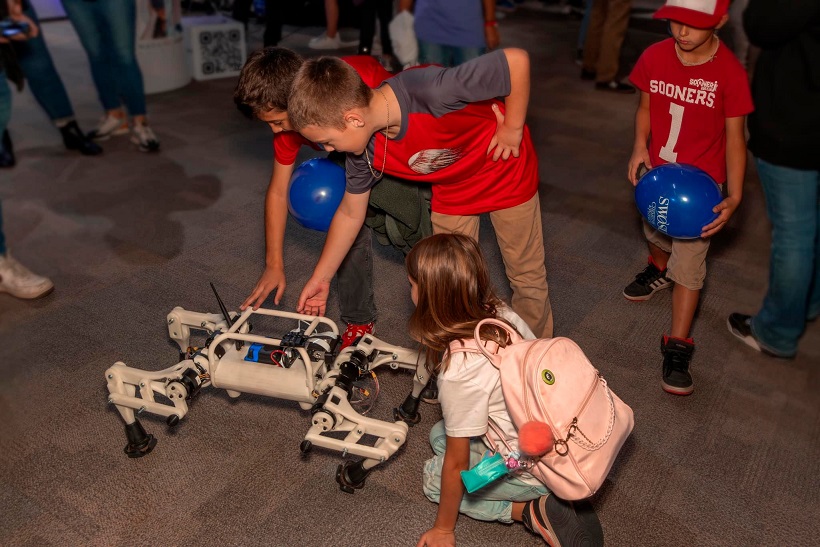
(355, 282)
(106, 29)
(43, 80)
(793, 206)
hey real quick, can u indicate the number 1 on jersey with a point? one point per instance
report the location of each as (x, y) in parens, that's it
(668, 150)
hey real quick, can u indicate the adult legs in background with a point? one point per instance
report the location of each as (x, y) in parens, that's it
(793, 296)
(330, 39)
(582, 32)
(605, 36)
(107, 31)
(48, 89)
(6, 151)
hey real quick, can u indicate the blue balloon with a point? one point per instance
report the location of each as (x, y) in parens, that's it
(677, 199)
(316, 189)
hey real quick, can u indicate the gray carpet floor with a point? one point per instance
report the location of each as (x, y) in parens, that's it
(127, 236)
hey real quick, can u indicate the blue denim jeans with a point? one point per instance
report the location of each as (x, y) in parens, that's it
(491, 503)
(357, 304)
(5, 104)
(438, 54)
(106, 29)
(793, 206)
(43, 80)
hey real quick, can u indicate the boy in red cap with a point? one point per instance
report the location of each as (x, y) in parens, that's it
(694, 101)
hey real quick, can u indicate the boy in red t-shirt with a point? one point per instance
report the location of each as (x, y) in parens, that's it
(694, 101)
(262, 93)
(442, 126)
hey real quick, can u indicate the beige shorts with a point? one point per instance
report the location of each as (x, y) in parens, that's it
(687, 263)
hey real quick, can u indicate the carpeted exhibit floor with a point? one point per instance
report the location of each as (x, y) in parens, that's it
(127, 236)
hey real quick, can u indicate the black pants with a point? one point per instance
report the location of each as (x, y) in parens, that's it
(273, 18)
(370, 10)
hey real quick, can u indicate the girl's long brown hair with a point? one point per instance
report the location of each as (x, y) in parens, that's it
(454, 294)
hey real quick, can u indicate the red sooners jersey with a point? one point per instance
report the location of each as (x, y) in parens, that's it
(286, 144)
(688, 105)
(447, 124)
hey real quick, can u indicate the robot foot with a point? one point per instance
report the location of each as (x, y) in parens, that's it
(408, 412)
(351, 476)
(140, 443)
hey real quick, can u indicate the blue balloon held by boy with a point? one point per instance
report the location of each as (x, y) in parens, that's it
(316, 189)
(677, 199)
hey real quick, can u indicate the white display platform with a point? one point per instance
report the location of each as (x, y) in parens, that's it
(161, 48)
(215, 46)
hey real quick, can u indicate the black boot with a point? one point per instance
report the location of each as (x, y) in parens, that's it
(676, 356)
(7, 152)
(74, 139)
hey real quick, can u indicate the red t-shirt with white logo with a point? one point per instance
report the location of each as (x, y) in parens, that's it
(286, 144)
(688, 105)
(447, 124)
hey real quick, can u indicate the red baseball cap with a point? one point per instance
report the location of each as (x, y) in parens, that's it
(694, 13)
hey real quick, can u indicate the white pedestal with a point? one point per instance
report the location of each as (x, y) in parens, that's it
(160, 48)
(215, 46)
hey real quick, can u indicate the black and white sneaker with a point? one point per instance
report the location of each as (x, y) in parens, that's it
(647, 283)
(563, 523)
(741, 326)
(677, 354)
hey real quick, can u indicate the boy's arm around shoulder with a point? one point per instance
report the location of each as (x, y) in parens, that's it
(735, 174)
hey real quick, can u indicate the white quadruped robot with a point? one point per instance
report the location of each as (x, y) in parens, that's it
(304, 365)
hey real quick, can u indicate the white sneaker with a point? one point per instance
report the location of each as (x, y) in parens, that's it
(108, 127)
(325, 42)
(19, 281)
(143, 137)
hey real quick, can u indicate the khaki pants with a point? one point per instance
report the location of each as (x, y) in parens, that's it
(687, 257)
(607, 28)
(521, 240)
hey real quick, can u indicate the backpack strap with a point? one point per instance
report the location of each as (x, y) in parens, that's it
(493, 357)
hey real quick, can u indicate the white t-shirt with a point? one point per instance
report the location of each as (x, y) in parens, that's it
(469, 392)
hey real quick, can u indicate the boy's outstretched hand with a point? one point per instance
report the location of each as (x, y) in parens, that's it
(272, 279)
(726, 208)
(436, 537)
(313, 299)
(639, 157)
(506, 140)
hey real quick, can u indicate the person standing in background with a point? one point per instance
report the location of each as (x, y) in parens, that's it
(107, 32)
(784, 135)
(450, 33)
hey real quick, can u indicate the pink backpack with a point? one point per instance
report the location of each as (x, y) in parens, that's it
(552, 381)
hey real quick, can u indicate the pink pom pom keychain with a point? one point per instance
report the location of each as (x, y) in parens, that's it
(535, 439)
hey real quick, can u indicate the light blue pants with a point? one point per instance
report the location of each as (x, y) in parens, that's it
(107, 31)
(438, 54)
(793, 296)
(494, 501)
